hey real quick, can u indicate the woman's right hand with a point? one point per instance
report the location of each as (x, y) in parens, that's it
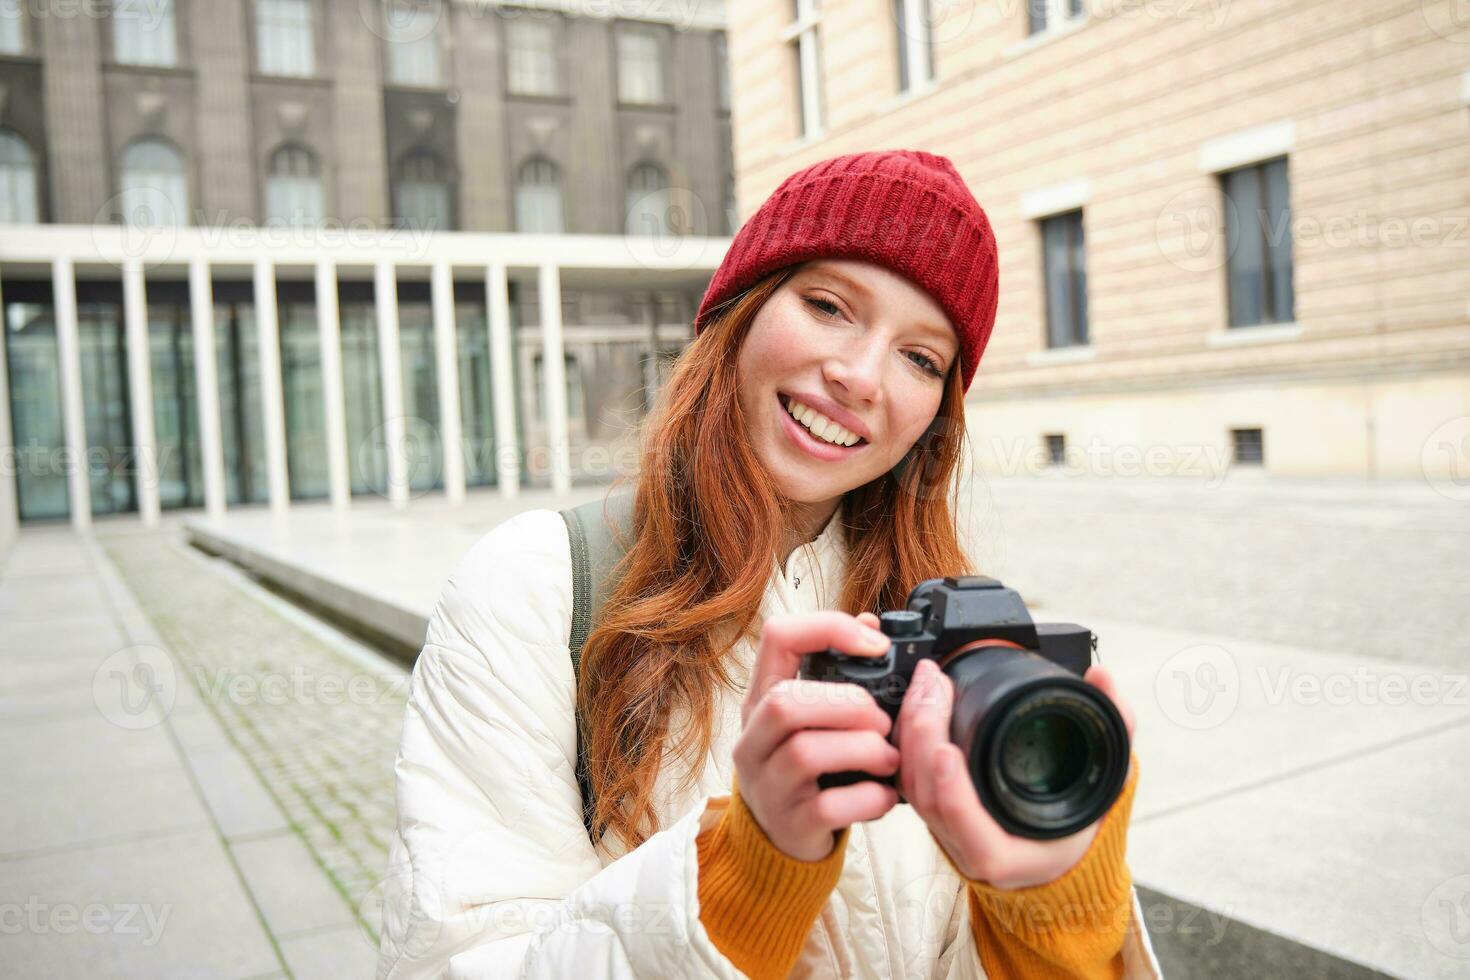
(794, 730)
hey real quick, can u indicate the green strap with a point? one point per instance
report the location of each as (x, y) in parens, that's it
(595, 554)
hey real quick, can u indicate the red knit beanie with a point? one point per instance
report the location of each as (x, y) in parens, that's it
(905, 209)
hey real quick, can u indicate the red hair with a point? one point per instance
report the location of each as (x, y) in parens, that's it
(708, 525)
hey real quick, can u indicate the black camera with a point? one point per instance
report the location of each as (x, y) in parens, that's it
(1047, 751)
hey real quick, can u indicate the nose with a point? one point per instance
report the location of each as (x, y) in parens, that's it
(857, 369)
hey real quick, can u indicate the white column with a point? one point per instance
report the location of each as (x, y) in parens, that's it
(385, 296)
(9, 458)
(69, 352)
(446, 351)
(140, 390)
(553, 371)
(206, 386)
(502, 377)
(329, 327)
(272, 401)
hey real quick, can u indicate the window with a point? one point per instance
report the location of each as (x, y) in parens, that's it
(1066, 280)
(732, 212)
(802, 35)
(12, 29)
(915, 43)
(722, 69)
(283, 38)
(19, 200)
(538, 197)
(1044, 13)
(640, 66)
(143, 33)
(1258, 244)
(1056, 449)
(1249, 446)
(532, 57)
(647, 201)
(413, 46)
(573, 387)
(155, 191)
(293, 188)
(421, 198)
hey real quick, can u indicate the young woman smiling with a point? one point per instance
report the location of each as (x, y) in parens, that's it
(797, 476)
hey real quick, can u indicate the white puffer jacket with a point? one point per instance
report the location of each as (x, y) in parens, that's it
(491, 870)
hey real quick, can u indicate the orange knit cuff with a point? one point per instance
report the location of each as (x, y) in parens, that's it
(756, 902)
(1072, 926)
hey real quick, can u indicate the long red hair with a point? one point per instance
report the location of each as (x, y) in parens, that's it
(708, 523)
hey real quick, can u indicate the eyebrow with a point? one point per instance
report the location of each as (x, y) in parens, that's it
(929, 326)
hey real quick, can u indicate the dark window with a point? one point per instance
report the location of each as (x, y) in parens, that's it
(1056, 448)
(1249, 447)
(1258, 243)
(1036, 12)
(1065, 272)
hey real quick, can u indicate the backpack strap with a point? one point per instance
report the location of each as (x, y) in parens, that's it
(595, 555)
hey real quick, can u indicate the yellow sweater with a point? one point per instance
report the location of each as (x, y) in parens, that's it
(758, 904)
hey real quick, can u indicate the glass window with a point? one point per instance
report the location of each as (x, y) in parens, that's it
(640, 66)
(532, 57)
(538, 197)
(420, 388)
(111, 463)
(283, 37)
(476, 390)
(35, 409)
(1249, 447)
(237, 352)
(143, 33)
(732, 211)
(301, 386)
(293, 188)
(722, 70)
(806, 59)
(1056, 449)
(647, 203)
(175, 414)
(910, 76)
(421, 197)
(12, 28)
(1258, 244)
(1066, 280)
(362, 389)
(412, 42)
(19, 200)
(154, 187)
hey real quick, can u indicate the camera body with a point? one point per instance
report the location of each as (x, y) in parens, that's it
(1047, 751)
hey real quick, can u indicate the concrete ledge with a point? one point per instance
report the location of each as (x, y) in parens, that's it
(350, 604)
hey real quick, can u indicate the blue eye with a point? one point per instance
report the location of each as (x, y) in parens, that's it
(927, 363)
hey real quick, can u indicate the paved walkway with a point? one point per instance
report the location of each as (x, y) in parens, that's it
(198, 779)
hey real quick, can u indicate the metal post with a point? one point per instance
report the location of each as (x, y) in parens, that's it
(69, 352)
(553, 372)
(446, 350)
(329, 327)
(502, 375)
(385, 296)
(272, 400)
(140, 387)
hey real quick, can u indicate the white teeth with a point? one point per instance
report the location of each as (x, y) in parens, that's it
(819, 425)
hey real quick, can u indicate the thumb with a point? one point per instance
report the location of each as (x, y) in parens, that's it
(868, 619)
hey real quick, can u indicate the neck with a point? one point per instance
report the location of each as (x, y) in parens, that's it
(807, 522)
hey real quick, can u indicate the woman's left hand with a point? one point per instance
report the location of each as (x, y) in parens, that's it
(936, 782)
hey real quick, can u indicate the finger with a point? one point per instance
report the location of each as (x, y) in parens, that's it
(786, 639)
(843, 806)
(869, 619)
(1101, 678)
(924, 731)
(798, 704)
(812, 752)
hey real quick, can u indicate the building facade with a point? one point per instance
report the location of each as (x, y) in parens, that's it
(1233, 235)
(178, 164)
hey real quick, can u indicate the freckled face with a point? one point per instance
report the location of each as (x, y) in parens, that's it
(862, 347)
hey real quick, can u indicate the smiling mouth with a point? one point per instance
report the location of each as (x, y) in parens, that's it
(822, 430)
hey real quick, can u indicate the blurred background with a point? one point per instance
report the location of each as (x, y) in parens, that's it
(302, 297)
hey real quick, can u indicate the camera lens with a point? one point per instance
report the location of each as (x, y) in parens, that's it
(1048, 752)
(1042, 755)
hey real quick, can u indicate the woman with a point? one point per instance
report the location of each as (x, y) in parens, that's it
(793, 483)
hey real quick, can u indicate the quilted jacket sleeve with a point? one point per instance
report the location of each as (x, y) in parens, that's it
(491, 873)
